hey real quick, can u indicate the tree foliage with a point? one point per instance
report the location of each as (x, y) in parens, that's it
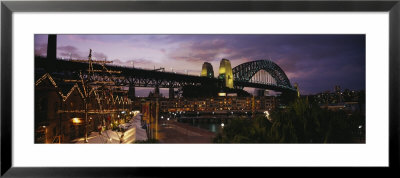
(300, 122)
(245, 131)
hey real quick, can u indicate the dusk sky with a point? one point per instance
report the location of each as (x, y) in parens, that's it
(316, 62)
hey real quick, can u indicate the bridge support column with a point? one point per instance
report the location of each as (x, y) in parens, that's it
(51, 53)
(157, 91)
(131, 92)
(171, 93)
(52, 47)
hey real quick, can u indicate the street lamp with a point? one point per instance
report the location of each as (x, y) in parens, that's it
(196, 117)
(167, 121)
(360, 131)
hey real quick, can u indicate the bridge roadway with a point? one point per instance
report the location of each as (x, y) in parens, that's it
(142, 77)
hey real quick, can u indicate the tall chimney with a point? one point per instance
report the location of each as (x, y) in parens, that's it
(52, 47)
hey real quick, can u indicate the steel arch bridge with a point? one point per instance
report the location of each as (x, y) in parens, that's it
(244, 72)
(149, 78)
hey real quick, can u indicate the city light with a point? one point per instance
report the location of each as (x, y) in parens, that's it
(266, 113)
(221, 94)
(76, 120)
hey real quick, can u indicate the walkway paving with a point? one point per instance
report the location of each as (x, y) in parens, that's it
(175, 132)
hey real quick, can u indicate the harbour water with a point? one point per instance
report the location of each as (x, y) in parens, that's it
(213, 125)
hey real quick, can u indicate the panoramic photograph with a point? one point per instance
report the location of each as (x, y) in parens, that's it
(199, 88)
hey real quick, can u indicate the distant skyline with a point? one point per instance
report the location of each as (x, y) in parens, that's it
(316, 62)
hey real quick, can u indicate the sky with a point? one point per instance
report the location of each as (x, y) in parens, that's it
(316, 62)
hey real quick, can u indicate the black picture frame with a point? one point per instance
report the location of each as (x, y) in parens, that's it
(8, 7)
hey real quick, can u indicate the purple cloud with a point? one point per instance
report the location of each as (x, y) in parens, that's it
(99, 56)
(201, 51)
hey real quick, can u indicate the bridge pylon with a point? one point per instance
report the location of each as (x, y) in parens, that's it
(225, 72)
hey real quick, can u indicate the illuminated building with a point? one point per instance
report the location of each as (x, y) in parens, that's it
(218, 104)
(59, 110)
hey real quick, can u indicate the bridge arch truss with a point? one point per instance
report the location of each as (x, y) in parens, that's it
(244, 72)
